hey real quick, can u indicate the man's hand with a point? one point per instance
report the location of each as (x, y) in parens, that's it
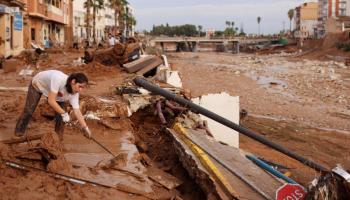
(65, 117)
(87, 132)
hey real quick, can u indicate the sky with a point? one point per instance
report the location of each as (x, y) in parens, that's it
(214, 13)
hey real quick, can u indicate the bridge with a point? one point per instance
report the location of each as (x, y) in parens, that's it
(205, 44)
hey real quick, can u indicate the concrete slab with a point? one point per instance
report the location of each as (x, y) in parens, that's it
(226, 106)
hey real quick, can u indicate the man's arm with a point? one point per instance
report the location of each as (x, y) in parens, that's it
(80, 117)
(52, 102)
(82, 122)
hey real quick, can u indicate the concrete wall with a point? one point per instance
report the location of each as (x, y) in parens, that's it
(9, 35)
(332, 26)
(307, 27)
(226, 106)
(37, 25)
(309, 11)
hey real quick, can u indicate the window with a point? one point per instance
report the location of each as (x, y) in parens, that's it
(32, 32)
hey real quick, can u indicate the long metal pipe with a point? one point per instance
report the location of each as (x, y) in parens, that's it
(270, 169)
(140, 81)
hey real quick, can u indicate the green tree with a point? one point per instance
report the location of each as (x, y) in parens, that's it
(259, 20)
(290, 15)
(183, 30)
(229, 32)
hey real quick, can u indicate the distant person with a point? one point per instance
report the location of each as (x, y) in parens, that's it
(75, 42)
(121, 38)
(111, 40)
(46, 43)
(58, 88)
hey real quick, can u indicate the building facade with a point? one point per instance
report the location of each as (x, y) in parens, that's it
(104, 22)
(129, 24)
(49, 20)
(329, 11)
(11, 27)
(306, 20)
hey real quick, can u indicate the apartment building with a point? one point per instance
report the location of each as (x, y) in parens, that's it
(110, 23)
(11, 27)
(128, 21)
(305, 20)
(331, 15)
(49, 20)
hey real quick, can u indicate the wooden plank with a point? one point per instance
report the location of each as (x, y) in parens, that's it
(155, 63)
(138, 64)
(236, 159)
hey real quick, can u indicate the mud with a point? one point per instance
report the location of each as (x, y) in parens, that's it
(328, 148)
(124, 177)
(161, 151)
(289, 100)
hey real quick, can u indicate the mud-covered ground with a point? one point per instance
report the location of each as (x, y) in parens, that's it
(132, 174)
(301, 104)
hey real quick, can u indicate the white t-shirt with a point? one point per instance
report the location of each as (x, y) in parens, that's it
(111, 41)
(55, 81)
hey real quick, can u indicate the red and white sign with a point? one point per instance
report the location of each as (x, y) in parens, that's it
(290, 192)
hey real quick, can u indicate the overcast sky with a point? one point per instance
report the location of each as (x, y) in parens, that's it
(214, 13)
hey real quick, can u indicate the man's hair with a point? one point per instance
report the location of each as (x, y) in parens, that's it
(78, 77)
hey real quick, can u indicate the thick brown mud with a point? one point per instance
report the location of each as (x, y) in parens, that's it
(153, 139)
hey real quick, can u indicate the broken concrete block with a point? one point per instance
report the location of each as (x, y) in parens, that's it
(10, 65)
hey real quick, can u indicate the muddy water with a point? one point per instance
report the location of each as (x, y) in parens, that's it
(327, 148)
(123, 170)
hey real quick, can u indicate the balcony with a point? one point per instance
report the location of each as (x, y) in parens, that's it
(55, 10)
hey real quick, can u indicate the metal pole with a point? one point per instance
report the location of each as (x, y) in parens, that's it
(140, 81)
(270, 169)
(102, 146)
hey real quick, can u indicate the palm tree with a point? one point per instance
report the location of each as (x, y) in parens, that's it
(87, 5)
(200, 27)
(130, 21)
(118, 6)
(290, 15)
(259, 20)
(96, 5)
(228, 23)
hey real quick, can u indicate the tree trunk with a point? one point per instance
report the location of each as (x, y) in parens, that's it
(115, 20)
(88, 19)
(94, 23)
